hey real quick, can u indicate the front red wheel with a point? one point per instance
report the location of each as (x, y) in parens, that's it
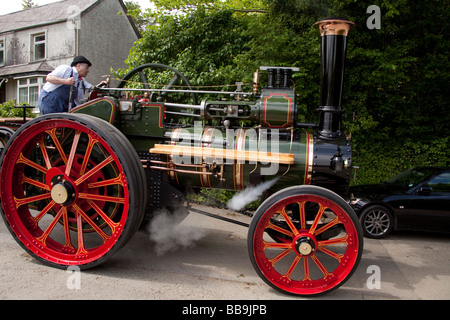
(305, 240)
(72, 190)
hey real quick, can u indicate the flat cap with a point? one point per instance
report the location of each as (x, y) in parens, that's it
(80, 59)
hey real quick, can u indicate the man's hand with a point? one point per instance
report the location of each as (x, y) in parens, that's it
(100, 85)
(70, 81)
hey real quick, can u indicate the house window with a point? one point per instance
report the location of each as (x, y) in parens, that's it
(2, 53)
(38, 47)
(28, 91)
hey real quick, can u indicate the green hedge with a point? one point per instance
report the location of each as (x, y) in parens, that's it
(8, 110)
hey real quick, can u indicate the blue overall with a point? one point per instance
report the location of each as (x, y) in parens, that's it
(57, 100)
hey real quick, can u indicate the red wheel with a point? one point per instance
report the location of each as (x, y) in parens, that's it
(305, 240)
(73, 189)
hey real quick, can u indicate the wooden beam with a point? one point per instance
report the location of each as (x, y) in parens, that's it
(239, 155)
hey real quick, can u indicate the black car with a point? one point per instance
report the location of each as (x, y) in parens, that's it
(416, 199)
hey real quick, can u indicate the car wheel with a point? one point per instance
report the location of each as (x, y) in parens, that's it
(376, 221)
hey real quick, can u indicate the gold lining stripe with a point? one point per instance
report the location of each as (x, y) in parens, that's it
(238, 164)
(204, 178)
(174, 137)
(239, 155)
(309, 158)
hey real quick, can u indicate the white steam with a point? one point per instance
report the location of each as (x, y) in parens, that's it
(252, 193)
(168, 235)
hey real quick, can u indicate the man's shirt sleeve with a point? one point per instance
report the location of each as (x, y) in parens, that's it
(62, 72)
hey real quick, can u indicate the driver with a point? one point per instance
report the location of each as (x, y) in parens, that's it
(63, 84)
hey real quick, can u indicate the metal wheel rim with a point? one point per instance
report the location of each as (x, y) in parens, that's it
(39, 222)
(377, 222)
(297, 276)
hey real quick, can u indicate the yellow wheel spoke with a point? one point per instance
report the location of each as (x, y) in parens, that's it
(276, 245)
(306, 276)
(289, 222)
(98, 197)
(87, 155)
(30, 163)
(104, 216)
(320, 265)
(44, 236)
(280, 229)
(291, 269)
(301, 206)
(35, 183)
(43, 212)
(335, 255)
(105, 183)
(21, 202)
(81, 249)
(280, 256)
(327, 226)
(334, 241)
(67, 243)
(94, 170)
(44, 153)
(52, 134)
(81, 213)
(76, 138)
(312, 230)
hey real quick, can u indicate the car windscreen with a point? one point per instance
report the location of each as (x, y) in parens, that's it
(412, 177)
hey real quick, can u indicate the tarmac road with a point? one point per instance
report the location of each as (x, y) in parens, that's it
(209, 260)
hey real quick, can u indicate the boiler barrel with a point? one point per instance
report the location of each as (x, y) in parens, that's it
(270, 154)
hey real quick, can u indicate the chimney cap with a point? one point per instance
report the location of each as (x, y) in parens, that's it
(334, 26)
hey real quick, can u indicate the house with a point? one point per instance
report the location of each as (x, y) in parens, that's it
(35, 41)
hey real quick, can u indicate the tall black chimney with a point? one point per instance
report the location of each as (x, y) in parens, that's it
(334, 46)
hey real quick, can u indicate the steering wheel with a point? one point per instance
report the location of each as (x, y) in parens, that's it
(95, 91)
(142, 74)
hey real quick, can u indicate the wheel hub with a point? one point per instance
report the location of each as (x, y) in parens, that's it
(63, 192)
(305, 245)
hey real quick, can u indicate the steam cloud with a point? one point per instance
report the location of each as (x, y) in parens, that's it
(252, 193)
(168, 235)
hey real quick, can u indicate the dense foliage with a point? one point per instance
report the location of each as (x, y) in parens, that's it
(8, 110)
(396, 77)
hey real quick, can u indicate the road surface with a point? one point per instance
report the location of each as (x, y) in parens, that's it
(208, 260)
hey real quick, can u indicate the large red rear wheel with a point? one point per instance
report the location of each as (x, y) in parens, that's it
(305, 240)
(72, 191)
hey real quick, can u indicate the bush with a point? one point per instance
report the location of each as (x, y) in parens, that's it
(8, 110)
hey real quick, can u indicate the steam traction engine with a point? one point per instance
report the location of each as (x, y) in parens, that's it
(75, 187)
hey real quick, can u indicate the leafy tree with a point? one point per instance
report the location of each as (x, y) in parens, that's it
(28, 4)
(396, 92)
(134, 10)
(198, 44)
(187, 6)
(396, 80)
